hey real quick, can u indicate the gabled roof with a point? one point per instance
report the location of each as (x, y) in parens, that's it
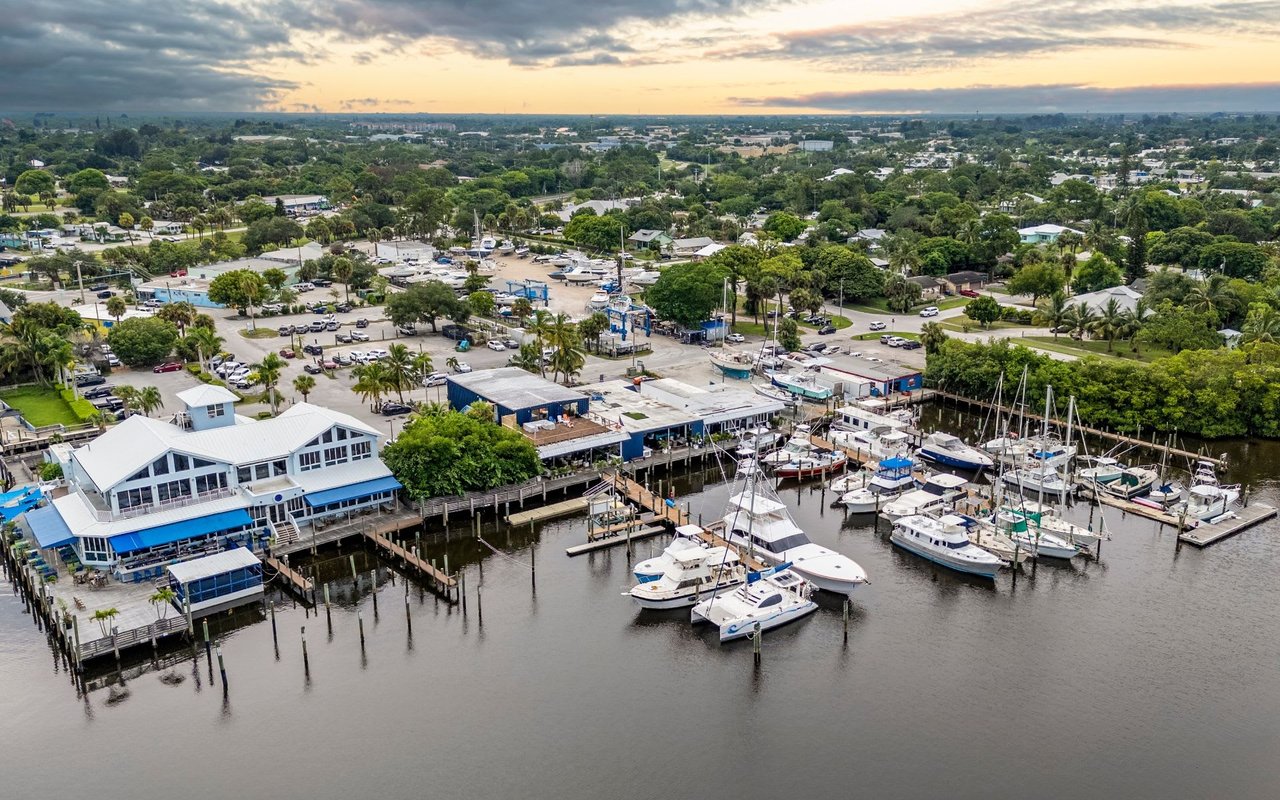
(206, 394)
(139, 440)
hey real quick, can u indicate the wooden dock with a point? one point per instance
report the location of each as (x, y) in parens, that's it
(562, 509)
(1130, 507)
(632, 490)
(379, 539)
(295, 579)
(1207, 533)
(617, 538)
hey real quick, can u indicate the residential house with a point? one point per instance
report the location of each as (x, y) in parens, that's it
(966, 280)
(1125, 296)
(931, 288)
(651, 239)
(148, 494)
(1047, 233)
(872, 236)
(687, 247)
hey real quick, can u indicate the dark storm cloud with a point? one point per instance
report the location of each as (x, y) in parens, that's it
(137, 54)
(1022, 29)
(1065, 98)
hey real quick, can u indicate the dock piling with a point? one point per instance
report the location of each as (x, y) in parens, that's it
(360, 622)
(222, 670)
(846, 620)
(204, 623)
(306, 662)
(755, 640)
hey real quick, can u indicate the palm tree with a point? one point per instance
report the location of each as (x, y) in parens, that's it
(371, 383)
(1080, 320)
(1135, 320)
(342, 270)
(251, 285)
(1261, 325)
(1056, 313)
(116, 307)
(591, 328)
(932, 337)
(303, 384)
(528, 358)
(181, 314)
(207, 343)
(150, 399)
(422, 367)
(451, 363)
(1110, 323)
(103, 617)
(161, 598)
(400, 369)
(521, 309)
(129, 396)
(269, 369)
(541, 330)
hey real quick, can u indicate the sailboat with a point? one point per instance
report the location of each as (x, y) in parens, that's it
(733, 363)
(1047, 471)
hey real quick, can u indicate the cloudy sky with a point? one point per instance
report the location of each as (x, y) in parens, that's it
(641, 56)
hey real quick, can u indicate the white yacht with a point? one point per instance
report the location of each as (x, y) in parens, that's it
(880, 443)
(938, 493)
(892, 478)
(1132, 482)
(1102, 469)
(757, 441)
(945, 541)
(796, 447)
(1040, 479)
(1009, 447)
(951, 451)
(686, 540)
(757, 521)
(1207, 499)
(767, 599)
(693, 574)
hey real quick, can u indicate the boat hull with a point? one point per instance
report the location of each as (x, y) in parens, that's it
(684, 600)
(742, 627)
(968, 568)
(951, 460)
(802, 472)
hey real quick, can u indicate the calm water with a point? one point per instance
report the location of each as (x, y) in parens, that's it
(1152, 673)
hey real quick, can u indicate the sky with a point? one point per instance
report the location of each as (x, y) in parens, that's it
(641, 56)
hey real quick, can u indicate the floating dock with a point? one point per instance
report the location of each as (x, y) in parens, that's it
(562, 509)
(1207, 533)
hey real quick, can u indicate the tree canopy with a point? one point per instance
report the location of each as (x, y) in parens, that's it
(687, 293)
(142, 341)
(450, 453)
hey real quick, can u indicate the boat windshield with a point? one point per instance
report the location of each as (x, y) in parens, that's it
(781, 545)
(932, 488)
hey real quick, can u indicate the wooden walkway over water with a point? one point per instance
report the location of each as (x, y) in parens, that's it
(296, 580)
(1207, 533)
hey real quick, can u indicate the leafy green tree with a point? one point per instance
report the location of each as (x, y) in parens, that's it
(34, 181)
(1098, 272)
(1037, 280)
(452, 453)
(789, 334)
(87, 179)
(597, 233)
(1234, 259)
(785, 226)
(481, 304)
(687, 293)
(849, 275)
(276, 278)
(142, 341)
(984, 310)
(240, 288)
(901, 293)
(271, 230)
(116, 307)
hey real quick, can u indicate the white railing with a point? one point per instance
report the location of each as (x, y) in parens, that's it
(164, 505)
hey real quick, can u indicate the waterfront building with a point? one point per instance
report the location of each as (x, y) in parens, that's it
(151, 493)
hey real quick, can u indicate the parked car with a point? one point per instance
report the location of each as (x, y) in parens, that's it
(312, 369)
(496, 345)
(359, 336)
(285, 330)
(112, 360)
(878, 326)
(511, 344)
(242, 382)
(98, 391)
(273, 308)
(322, 283)
(343, 308)
(312, 349)
(228, 367)
(435, 379)
(968, 293)
(462, 366)
(331, 326)
(106, 293)
(391, 409)
(105, 348)
(316, 327)
(362, 323)
(735, 338)
(329, 363)
(287, 352)
(343, 359)
(929, 311)
(816, 347)
(826, 330)
(344, 338)
(168, 366)
(911, 344)
(305, 286)
(832, 350)
(378, 353)
(887, 338)
(97, 287)
(407, 330)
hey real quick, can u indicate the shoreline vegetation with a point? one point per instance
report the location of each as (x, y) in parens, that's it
(1212, 394)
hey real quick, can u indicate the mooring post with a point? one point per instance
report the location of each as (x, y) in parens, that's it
(360, 622)
(204, 623)
(306, 663)
(847, 603)
(274, 639)
(222, 670)
(373, 589)
(462, 590)
(755, 639)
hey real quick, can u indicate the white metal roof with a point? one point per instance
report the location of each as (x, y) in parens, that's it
(206, 394)
(583, 443)
(208, 566)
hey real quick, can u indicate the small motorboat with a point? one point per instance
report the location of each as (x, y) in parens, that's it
(938, 493)
(767, 600)
(1102, 469)
(892, 478)
(685, 540)
(951, 451)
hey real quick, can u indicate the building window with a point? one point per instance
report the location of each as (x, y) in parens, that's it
(95, 548)
(361, 450)
(181, 463)
(200, 462)
(280, 467)
(137, 476)
(132, 498)
(173, 490)
(215, 411)
(262, 471)
(327, 436)
(244, 475)
(160, 466)
(309, 460)
(335, 455)
(342, 433)
(210, 483)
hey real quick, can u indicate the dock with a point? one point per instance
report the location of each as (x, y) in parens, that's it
(1130, 507)
(553, 511)
(1207, 533)
(617, 538)
(296, 580)
(379, 538)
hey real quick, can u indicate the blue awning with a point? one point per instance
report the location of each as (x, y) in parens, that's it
(177, 531)
(897, 462)
(352, 491)
(48, 527)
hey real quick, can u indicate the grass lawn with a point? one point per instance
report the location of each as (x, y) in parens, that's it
(875, 335)
(958, 325)
(880, 305)
(260, 333)
(40, 406)
(1120, 350)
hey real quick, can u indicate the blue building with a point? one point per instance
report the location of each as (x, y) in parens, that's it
(216, 582)
(854, 380)
(148, 494)
(514, 393)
